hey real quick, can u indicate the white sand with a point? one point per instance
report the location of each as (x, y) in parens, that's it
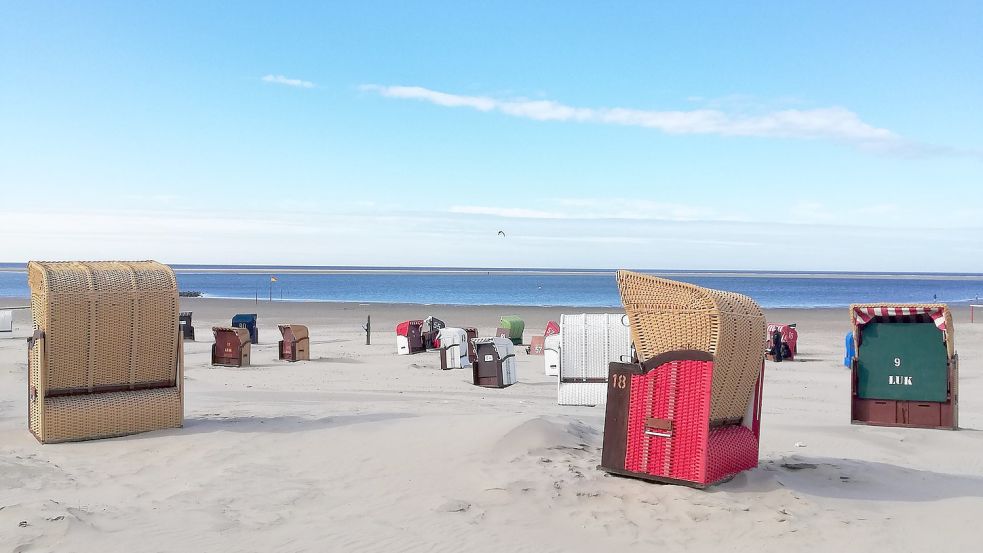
(361, 450)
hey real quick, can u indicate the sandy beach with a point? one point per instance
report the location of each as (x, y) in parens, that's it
(363, 450)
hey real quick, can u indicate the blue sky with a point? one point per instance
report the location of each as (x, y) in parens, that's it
(720, 135)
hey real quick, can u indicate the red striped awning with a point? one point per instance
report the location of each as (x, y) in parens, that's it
(863, 315)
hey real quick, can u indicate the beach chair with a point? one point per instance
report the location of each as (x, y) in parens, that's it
(431, 327)
(232, 347)
(514, 325)
(495, 366)
(6, 320)
(187, 330)
(472, 333)
(552, 328)
(296, 343)
(551, 354)
(789, 341)
(247, 321)
(589, 342)
(453, 348)
(689, 412)
(905, 371)
(850, 352)
(537, 345)
(409, 338)
(106, 355)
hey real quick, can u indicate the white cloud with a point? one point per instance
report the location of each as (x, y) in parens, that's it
(804, 214)
(393, 236)
(509, 212)
(280, 79)
(601, 208)
(833, 123)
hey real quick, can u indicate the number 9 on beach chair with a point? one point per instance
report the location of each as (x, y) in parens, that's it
(689, 413)
(106, 357)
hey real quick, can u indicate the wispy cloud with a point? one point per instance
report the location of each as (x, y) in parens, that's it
(830, 123)
(597, 209)
(280, 79)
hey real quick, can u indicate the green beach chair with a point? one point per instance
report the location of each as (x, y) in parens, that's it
(515, 326)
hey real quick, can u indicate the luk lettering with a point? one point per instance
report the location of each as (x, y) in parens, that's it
(900, 380)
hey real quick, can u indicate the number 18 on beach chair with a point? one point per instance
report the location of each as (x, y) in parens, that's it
(689, 412)
(106, 356)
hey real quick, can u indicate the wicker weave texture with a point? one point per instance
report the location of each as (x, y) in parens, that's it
(107, 415)
(588, 342)
(949, 333)
(299, 332)
(666, 315)
(454, 340)
(551, 354)
(107, 326)
(691, 451)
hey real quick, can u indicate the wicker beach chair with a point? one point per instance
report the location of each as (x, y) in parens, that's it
(789, 337)
(296, 343)
(514, 326)
(106, 356)
(472, 333)
(6, 320)
(905, 371)
(187, 328)
(689, 413)
(249, 322)
(495, 366)
(453, 348)
(232, 347)
(429, 331)
(551, 354)
(409, 337)
(588, 343)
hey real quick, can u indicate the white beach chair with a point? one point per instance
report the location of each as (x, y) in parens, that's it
(495, 366)
(551, 355)
(453, 348)
(588, 343)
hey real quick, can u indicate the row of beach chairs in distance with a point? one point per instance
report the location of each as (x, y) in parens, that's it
(233, 344)
(682, 394)
(491, 359)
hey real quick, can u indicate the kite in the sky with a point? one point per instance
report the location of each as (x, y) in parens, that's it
(502, 232)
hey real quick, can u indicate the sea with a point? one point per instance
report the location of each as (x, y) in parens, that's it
(593, 288)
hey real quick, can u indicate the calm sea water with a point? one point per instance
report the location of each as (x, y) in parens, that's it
(590, 289)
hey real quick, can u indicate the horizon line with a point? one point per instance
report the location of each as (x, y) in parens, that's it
(200, 268)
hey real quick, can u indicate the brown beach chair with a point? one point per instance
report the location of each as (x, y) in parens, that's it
(296, 342)
(106, 357)
(689, 412)
(232, 346)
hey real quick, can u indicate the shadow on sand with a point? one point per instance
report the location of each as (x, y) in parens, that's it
(272, 425)
(853, 479)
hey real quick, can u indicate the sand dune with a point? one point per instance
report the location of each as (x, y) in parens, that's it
(361, 450)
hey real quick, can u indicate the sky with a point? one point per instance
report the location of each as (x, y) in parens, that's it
(693, 135)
